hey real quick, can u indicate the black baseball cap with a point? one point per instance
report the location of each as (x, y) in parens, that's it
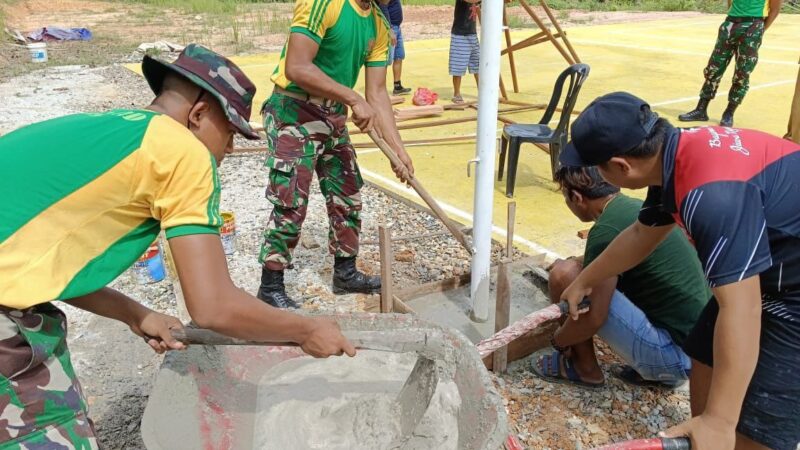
(611, 125)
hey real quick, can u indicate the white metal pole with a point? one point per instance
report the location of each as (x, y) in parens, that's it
(488, 95)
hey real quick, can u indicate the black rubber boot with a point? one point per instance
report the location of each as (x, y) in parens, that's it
(273, 291)
(347, 279)
(727, 116)
(698, 114)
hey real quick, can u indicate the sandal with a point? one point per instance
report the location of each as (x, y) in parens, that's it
(629, 375)
(546, 365)
(457, 99)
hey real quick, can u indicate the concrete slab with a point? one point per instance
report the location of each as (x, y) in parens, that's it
(451, 308)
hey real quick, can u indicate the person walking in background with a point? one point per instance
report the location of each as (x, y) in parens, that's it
(740, 34)
(393, 11)
(464, 47)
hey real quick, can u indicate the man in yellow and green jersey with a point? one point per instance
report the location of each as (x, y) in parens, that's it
(86, 194)
(305, 119)
(739, 36)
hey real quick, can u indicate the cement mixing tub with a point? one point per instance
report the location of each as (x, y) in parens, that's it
(205, 397)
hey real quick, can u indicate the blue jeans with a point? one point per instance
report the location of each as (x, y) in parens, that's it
(397, 51)
(649, 350)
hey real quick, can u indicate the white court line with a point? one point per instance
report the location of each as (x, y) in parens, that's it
(684, 39)
(450, 209)
(669, 50)
(752, 88)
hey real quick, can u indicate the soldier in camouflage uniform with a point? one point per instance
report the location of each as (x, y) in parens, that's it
(305, 120)
(87, 194)
(739, 35)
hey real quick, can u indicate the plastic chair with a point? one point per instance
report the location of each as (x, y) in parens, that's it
(515, 135)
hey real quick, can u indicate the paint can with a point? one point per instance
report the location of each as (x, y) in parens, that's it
(228, 232)
(149, 268)
(38, 51)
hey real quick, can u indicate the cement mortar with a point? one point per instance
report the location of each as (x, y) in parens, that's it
(349, 403)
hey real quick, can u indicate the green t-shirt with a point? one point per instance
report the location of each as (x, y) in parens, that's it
(669, 285)
(749, 8)
(349, 38)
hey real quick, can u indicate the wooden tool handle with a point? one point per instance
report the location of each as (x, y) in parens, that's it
(432, 204)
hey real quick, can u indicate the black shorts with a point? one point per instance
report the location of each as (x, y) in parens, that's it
(771, 409)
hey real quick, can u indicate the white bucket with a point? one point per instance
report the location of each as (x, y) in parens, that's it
(38, 52)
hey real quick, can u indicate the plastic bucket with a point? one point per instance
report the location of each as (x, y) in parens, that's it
(38, 51)
(149, 268)
(228, 232)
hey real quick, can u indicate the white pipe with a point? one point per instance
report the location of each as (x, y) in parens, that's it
(488, 96)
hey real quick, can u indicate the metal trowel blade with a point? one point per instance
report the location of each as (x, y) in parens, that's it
(415, 396)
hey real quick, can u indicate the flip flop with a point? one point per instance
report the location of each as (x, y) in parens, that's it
(629, 375)
(549, 369)
(458, 99)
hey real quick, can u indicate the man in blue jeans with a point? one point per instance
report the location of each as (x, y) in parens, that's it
(644, 314)
(393, 11)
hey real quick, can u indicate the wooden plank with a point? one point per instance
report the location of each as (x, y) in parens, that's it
(420, 290)
(502, 313)
(525, 345)
(396, 99)
(560, 31)
(546, 30)
(510, 52)
(401, 307)
(387, 298)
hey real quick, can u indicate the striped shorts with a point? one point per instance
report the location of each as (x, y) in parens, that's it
(464, 53)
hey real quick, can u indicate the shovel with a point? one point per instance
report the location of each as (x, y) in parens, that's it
(415, 396)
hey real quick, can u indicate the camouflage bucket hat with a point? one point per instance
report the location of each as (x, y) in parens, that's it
(216, 74)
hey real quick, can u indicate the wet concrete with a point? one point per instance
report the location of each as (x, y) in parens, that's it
(452, 308)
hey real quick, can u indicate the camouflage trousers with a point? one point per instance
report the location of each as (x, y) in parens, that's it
(741, 39)
(41, 402)
(302, 139)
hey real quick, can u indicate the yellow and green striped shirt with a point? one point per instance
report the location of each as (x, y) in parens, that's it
(86, 194)
(349, 38)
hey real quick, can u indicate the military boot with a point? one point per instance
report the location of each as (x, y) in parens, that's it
(273, 291)
(698, 114)
(347, 279)
(727, 116)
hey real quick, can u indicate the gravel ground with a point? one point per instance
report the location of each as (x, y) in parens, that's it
(546, 416)
(117, 369)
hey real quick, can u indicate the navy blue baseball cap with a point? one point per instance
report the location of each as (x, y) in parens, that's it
(611, 125)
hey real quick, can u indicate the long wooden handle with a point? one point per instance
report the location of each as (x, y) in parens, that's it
(432, 204)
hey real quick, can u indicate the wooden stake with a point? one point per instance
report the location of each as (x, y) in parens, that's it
(502, 313)
(512, 214)
(387, 299)
(510, 52)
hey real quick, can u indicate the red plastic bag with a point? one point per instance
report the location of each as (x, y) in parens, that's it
(424, 97)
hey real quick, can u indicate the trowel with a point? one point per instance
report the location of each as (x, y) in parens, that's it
(415, 396)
